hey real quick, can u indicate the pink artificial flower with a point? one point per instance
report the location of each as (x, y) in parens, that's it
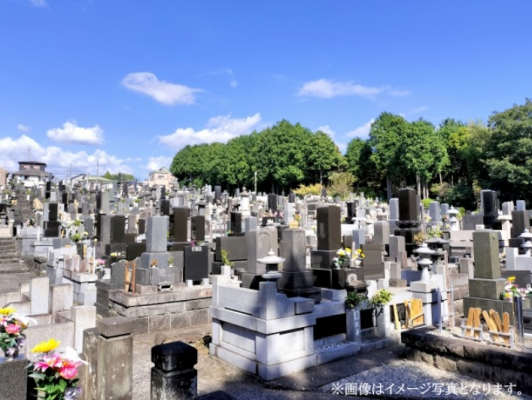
(41, 366)
(67, 363)
(49, 362)
(69, 372)
(13, 329)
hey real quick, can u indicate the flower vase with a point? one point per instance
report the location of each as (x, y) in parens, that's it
(11, 353)
(358, 262)
(101, 273)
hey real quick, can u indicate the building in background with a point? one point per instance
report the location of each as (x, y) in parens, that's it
(162, 177)
(32, 173)
(3, 178)
(91, 182)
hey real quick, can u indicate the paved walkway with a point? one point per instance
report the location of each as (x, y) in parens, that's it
(215, 374)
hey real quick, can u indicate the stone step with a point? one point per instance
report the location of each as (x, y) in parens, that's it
(13, 268)
(9, 261)
(8, 254)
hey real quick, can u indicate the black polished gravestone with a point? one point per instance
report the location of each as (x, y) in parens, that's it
(197, 227)
(351, 212)
(165, 207)
(118, 228)
(237, 253)
(291, 197)
(64, 200)
(236, 222)
(217, 193)
(329, 229)
(520, 222)
(142, 226)
(329, 237)
(408, 224)
(272, 202)
(196, 263)
(52, 212)
(180, 223)
(135, 250)
(408, 205)
(52, 227)
(489, 209)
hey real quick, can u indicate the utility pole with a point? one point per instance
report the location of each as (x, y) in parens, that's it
(97, 174)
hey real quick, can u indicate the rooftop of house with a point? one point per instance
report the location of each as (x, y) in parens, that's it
(92, 178)
(162, 170)
(31, 173)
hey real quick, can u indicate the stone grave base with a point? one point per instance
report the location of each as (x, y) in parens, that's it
(154, 311)
(489, 363)
(297, 335)
(84, 286)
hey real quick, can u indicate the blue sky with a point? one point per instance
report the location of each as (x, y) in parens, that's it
(127, 83)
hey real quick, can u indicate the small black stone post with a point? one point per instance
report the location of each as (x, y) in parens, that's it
(173, 377)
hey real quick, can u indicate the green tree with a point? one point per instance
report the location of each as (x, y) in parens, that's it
(235, 164)
(196, 164)
(361, 165)
(453, 134)
(423, 154)
(341, 184)
(385, 137)
(280, 155)
(323, 156)
(120, 176)
(507, 152)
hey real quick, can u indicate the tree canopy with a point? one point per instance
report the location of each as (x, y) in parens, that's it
(452, 161)
(120, 177)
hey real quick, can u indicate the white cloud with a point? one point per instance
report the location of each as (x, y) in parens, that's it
(72, 133)
(326, 129)
(418, 110)
(327, 89)
(155, 163)
(361, 131)
(59, 162)
(399, 93)
(233, 83)
(218, 129)
(38, 3)
(164, 92)
(23, 128)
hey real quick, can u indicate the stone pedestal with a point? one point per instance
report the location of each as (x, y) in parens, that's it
(115, 359)
(174, 376)
(353, 326)
(13, 378)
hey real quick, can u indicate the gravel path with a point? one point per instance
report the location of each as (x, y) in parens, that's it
(385, 375)
(404, 379)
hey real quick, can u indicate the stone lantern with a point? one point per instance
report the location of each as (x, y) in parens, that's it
(424, 261)
(272, 262)
(527, 237)
(453, 221)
